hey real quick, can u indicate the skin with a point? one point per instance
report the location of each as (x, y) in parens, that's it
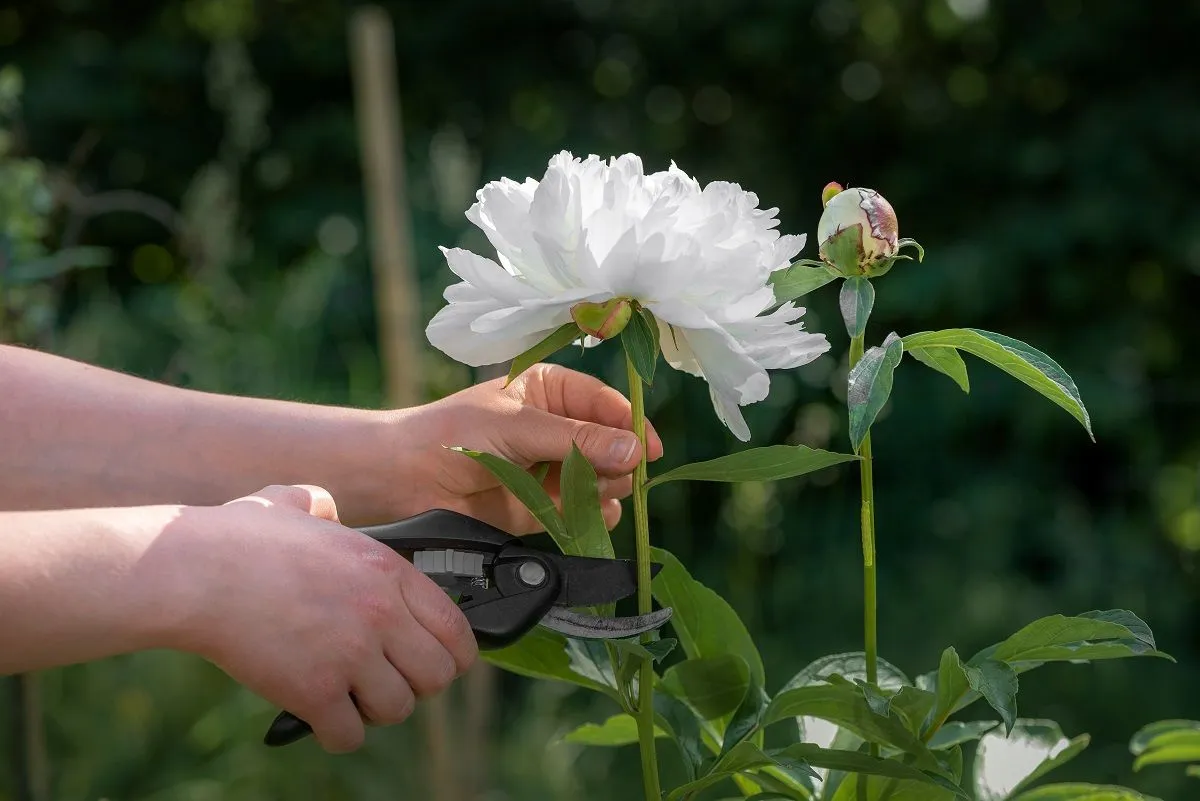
(117, 532)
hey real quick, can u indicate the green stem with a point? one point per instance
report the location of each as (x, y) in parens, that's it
(867, 523)
(645, 710)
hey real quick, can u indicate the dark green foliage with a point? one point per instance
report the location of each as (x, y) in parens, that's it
(1044, 154)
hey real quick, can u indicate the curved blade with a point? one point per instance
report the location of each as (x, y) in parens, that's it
(590, 627)
(591, 581)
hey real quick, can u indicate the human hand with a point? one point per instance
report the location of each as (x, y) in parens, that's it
(308, 613)
(535, 419)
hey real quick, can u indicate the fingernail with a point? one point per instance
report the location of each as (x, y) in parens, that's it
(622, 449)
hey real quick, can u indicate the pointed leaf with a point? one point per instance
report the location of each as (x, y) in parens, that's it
(552, 344)
(1083, 792)
(957, 732)
(945, 361)
(851, 665)
(870, 384)
(856, 300)
(769, 463)
(542, 654)
(713, 686)
(1107, 634)
(640, 340)
(858, 787)
(528, 490)
(703, 621)
(858, 762)
(747, 718)
(879, 703)
(1165, 742)
(915, 705)
(995, 681)
(745, 757)
(798, 280)
(584, 521)
(1027, 364)
(1005, 765)
(844, 704)
(684, 729)
(617, 730)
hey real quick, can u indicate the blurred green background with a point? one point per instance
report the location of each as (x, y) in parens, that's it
(196, 164)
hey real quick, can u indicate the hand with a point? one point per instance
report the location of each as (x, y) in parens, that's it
(535, 419)
(308, 613)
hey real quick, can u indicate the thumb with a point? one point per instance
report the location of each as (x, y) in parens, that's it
(546, 437)
(307, 498)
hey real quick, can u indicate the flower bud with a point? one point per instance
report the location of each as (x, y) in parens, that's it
(874, 216)
(602, 320)
(832, 188)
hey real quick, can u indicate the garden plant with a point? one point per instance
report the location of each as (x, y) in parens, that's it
(597, 251)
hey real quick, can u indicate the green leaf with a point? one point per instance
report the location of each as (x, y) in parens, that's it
(684, 729)
(713, 686)
(586, 533)
(1005, 765)
(850, 664)
(1083, 792)
(747, 718)
(655, 650)
(856, 300)
(844, 249)
(1108, 634)
(703, 621)
(995, 681)
(915, 705)
(1024, 363)
(552, 344)
(1165, 742)
(906, 241)
(858, 762)
(945, 361)
(590, 659)
(798, 280)
(769, 463)
(844, 704)
(870, 384)
(744, 757)
(956, 732)
(617, 730)
(879, 703)
(528, 490)
(542, 654)
(857, 787)
(640, 340)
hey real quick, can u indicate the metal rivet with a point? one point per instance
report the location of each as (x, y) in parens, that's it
(531, 573)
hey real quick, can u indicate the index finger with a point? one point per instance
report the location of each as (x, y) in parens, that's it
(583, 397)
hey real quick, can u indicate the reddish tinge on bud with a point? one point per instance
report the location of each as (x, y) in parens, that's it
(602, 320)
(874, 216)
(832, 188)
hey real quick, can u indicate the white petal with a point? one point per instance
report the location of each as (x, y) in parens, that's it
(775, 343)
(488, 276)
(450, 332)
(729, 413)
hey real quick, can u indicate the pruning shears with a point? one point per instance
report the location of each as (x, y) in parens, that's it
(504, 587)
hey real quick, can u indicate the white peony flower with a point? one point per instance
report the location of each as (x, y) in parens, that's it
(699, 259)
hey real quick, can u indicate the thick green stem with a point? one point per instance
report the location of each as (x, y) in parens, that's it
(867, 522)
(645, 710)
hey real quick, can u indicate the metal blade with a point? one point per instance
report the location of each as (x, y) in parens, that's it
(588, 581)
(590, 627)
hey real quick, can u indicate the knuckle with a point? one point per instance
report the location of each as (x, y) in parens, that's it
(437, 675)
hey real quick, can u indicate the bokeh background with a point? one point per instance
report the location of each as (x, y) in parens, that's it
(182, 182)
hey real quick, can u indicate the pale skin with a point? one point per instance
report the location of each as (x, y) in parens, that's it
(137, 516)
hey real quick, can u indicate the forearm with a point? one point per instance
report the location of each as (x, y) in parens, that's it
(87, 584)
(74, 435)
